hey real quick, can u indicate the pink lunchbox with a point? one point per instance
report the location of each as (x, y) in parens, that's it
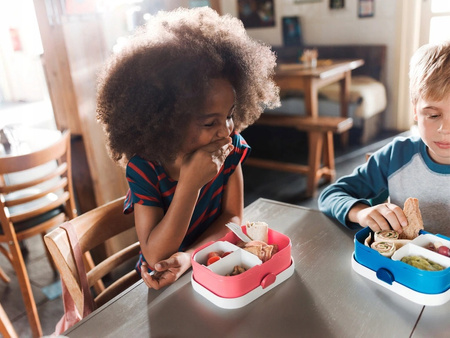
(225, 291)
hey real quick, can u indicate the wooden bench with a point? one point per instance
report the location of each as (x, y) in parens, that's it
(320, 146)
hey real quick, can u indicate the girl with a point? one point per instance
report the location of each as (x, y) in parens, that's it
(172, 103)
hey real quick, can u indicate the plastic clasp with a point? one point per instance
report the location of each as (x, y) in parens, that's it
(385, 275)
(268, 280)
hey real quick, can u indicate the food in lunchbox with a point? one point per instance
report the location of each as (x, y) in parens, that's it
(414, 217)
(422, 263)
(439, 248)
(387, 249)
(444, 250)
(214, 256)
(384, 235)
(258, 231)
(261, 249)
(237, 270)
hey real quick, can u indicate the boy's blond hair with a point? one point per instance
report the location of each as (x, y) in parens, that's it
(430, 72)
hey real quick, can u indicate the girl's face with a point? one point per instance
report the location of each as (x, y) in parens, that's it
(433, 119)
(216, 121)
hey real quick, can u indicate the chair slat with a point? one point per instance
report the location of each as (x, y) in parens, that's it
(39, 211)
(103, 268)
(11, 188)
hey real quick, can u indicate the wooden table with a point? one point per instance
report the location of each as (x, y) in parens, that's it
(323, 298)
(297, 77)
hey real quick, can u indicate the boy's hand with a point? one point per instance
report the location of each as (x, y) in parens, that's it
(167, 271)
(380, 217)
(201, 166)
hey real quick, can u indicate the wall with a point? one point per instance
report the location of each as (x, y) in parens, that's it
(322, 25)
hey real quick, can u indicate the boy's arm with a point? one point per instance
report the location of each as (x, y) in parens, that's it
(366, 184)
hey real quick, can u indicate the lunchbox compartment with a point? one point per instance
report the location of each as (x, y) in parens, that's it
(213, 277)
(201, 256)
(425, 239)
(416, 250)
(238, 257)
(427, 282)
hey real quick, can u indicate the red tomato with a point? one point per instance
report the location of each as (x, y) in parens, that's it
(226, 253)
(212, 259)
(213, 254)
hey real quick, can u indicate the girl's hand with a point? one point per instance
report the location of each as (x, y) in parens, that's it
(167, 271)
(202, 165)
(381, 217)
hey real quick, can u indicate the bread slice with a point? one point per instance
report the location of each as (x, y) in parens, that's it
(414, 217)
(258, 231)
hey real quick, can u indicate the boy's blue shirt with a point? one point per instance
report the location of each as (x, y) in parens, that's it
(150, 185)
(399, 170)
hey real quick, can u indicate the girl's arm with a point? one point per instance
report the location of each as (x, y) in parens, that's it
(169, 270)
(160, 235)
(232, 210)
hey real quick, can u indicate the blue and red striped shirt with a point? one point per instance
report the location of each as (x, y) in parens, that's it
(150, 185)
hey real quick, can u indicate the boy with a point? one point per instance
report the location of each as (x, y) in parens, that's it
(417, 166)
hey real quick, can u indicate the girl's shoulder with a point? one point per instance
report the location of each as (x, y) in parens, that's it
(238, 141)
(140, 166)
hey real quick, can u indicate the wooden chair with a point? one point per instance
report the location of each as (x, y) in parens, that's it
(35, 196)
(93, 228)
(6, 327)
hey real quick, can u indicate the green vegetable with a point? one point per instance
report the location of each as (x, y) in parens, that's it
(422, 263)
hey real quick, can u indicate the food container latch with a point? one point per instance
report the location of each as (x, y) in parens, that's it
(385, 275)
(268, 279)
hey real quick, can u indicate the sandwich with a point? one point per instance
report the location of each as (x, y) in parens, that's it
(257, 231)
(414, 217)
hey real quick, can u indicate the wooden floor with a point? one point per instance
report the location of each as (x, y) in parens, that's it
(284, 187)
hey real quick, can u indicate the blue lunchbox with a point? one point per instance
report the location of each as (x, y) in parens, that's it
(420, 286)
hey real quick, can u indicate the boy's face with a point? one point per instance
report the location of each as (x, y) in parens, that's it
(216, 121)
(433, 119)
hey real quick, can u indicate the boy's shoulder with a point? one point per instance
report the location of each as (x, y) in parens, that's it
(405, 143)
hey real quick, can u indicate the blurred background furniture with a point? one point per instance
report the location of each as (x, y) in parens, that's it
(94, 228)
(305, 80)
(320, 131)
(35, 196)
(367, 91)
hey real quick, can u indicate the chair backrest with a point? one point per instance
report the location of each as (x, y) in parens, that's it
(36, 183)
(92, 229)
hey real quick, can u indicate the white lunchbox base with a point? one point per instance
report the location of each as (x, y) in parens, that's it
(414, 296)
(234, 303)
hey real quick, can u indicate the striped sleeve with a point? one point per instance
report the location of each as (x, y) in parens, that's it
(143, 181)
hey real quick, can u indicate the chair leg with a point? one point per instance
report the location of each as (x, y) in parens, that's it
(315, 144)
(25, 287)
(6, 327)
(328, 158)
